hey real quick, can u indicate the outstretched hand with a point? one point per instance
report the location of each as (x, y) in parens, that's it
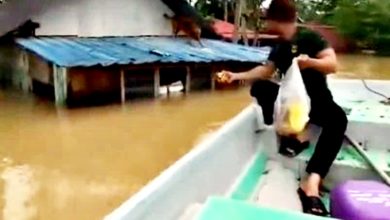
(226, 77)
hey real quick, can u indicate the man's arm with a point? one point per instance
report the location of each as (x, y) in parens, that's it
(259, 72)
(325, 62)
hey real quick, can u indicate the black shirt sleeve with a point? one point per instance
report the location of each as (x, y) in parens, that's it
(312, 43)
(274, 55)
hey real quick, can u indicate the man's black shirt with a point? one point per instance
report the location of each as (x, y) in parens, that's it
(309, 43)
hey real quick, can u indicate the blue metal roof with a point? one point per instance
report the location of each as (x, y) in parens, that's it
(73, 51)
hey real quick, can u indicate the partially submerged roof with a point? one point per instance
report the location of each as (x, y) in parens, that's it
(72, 51)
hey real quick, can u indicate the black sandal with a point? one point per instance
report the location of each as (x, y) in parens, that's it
(312, 204)
(291, 147)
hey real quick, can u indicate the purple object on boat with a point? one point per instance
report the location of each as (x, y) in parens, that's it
(360, 200)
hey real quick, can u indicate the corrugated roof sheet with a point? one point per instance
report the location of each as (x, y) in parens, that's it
(73, 51)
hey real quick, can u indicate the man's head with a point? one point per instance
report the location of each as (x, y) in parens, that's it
(281, 18)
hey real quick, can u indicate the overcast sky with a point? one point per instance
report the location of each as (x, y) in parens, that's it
(266, 3)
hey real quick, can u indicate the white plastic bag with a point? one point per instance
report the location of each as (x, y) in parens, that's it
(292, 106)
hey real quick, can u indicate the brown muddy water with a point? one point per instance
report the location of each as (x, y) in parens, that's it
(82, 163)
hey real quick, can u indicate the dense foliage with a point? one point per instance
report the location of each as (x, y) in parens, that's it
(316, 10)
(366, 22)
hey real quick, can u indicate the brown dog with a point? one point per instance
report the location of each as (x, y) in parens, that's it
(185, 24)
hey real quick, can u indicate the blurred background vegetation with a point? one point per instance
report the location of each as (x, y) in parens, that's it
(365, 23)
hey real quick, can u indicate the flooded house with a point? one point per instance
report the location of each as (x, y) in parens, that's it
(92, 51)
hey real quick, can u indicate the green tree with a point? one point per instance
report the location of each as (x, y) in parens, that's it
(215, 8)
(365, 22)
(316, 10)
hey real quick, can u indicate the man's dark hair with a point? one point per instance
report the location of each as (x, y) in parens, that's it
(282, 11)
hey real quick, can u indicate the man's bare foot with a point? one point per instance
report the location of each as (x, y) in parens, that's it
(311, 185)
(303, 136)
(309, 194)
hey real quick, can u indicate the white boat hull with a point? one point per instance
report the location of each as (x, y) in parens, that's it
(214, 167)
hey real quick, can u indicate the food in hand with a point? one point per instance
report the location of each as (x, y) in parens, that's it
(222, 77)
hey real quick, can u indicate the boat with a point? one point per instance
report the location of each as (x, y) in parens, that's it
(237, 174)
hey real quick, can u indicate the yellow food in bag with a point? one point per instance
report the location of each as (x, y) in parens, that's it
(294, 120)
(296, 117)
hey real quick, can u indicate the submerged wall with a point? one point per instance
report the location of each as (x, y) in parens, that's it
(30, 73)
(88, 17)
(14, 67)
(96, 84)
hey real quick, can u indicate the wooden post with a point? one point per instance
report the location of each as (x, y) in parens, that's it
(60, 84)
(213, 78)
(156, 82)
(25, 76)
(168, 91)
(188, 79)
(243, 22)
(123, 87)
(225, 10)
(254, 44)
(237, 19)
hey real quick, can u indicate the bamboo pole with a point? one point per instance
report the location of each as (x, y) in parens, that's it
(378, 170)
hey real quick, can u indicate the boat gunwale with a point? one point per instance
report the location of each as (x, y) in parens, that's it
(164, 177)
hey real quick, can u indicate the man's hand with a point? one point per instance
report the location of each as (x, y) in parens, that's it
(227, 76)
(304, 61)
(325, 61)
(262, 72)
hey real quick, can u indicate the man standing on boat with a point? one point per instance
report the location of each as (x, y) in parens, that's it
(316, 60)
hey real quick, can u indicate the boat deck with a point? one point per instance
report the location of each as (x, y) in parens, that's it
(369, 125)
(244, 201)
(248, 202)
(348, 157)
(273, 197)
(367, 111)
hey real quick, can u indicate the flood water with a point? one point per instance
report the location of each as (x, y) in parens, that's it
(363, 66)
(82, 163)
